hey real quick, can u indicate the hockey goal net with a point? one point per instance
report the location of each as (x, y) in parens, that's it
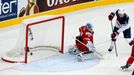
(37, 34)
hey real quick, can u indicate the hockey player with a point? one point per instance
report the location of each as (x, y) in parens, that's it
(130, 59)
(84, 43)
(121, 25)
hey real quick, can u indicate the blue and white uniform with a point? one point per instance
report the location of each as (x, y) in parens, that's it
(121, 25)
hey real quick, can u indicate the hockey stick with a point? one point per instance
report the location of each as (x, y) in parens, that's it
(87, 47)
(114, 41)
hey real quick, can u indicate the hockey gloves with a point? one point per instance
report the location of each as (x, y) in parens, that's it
(111, 16)
(113, 36)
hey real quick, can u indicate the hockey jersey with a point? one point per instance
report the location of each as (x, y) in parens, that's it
(121, 22)
(84, 37)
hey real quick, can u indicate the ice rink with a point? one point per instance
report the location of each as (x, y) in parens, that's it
(66, 64)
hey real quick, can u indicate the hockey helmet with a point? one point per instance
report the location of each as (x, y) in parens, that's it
(121, 12)
(89, 26)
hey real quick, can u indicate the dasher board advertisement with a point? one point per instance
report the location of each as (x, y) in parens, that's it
(8, 9)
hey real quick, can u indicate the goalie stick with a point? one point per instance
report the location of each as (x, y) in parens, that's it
(87, 47)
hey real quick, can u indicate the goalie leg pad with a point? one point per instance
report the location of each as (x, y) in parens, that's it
(85, 56)
(73, 50)
(90, 46)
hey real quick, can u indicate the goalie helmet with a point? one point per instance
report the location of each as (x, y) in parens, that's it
(89, 26)
(121, 12)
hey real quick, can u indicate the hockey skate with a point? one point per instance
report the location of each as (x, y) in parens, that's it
(111, 46)
(125, 67)
(80, 57)
(110, 49)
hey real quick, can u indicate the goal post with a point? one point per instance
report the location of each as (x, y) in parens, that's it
(41, 32)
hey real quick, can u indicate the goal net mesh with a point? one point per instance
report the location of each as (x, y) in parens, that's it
(37, 34)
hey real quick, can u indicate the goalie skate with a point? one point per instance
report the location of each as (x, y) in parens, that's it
(85, 55)
(80, 57)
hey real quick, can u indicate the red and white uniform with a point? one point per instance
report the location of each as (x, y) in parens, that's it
(131, 58)
(86, 36)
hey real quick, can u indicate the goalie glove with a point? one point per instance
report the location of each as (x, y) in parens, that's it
(90, 46)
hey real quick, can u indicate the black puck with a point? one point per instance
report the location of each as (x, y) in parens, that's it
(31, 53)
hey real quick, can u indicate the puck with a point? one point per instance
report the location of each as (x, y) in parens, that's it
(31, 53)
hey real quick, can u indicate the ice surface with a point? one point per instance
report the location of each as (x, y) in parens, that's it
(59, 63)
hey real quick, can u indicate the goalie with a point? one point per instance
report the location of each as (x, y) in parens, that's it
(84, 43)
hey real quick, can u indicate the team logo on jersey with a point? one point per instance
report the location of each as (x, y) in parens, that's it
(8, 9)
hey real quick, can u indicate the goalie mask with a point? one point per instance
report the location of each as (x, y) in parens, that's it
(90, 27)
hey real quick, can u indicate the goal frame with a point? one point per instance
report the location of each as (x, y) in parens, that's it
(27, 42)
